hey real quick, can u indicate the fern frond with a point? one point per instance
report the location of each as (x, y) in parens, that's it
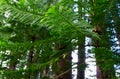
(62, 23)
(22, 16)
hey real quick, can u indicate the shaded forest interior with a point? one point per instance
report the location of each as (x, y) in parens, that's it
(39, 37)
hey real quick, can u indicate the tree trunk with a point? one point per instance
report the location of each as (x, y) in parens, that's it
(81, 60)
(101, 73)
(81, 45)
(30, 59)
(64, 63)
(35, 60)
(12, 66)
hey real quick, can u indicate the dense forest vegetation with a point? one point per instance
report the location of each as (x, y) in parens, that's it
(38, 37)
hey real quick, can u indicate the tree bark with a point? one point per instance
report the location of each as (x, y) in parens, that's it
(64, 63)
(81, 60)
(81, 45)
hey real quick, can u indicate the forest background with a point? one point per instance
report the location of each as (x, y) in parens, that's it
(38, 37)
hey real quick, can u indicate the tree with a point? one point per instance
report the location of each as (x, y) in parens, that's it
(98, 8)
(30, 54)
(37, 38)
(81, 45)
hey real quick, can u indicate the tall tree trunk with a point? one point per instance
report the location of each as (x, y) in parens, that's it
(98, 20)
(81, 60)
(64, 63)
(29, 64)
(30, 59)
(65, 68)
(35, 61)
(101, 73)
(81, 45)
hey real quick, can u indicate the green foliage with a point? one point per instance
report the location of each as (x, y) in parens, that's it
(104, 58)
(37, 30)
(63, 26)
